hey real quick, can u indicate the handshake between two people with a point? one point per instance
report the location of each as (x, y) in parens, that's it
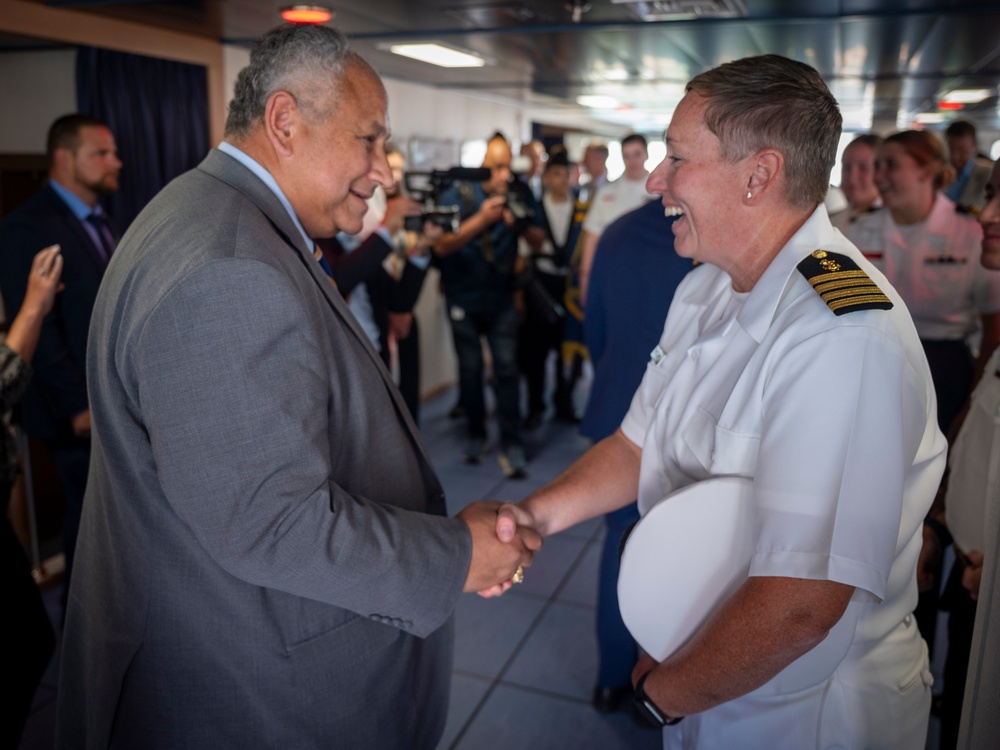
(504, 541)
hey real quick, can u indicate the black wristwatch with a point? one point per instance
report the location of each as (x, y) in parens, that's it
(649, 709)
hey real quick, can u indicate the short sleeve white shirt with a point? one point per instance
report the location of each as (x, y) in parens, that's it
(613, 200)
(832, 417)
(935, 269)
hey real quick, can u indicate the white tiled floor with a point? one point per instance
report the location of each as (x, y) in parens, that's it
(525, 664)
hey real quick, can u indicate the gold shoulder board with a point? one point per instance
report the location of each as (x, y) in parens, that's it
(843, 286)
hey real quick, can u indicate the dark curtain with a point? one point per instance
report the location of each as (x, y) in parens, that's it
(158, 113)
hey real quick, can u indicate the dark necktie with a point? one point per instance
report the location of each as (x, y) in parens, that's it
(106, 239)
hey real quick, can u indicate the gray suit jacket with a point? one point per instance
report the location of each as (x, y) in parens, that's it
(263, 560)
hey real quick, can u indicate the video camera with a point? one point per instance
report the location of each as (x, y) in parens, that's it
(519, 198)
(426, 188)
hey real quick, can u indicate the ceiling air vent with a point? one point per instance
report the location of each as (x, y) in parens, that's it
(675, 10)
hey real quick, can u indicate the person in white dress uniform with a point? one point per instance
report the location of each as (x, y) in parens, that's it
(786, 359)
(930, 254)
(857, 181)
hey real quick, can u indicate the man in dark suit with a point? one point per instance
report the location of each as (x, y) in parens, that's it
(83, 166)
(264, 557)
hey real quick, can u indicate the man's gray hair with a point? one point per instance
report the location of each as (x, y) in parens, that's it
(305, 60)
(773, 102)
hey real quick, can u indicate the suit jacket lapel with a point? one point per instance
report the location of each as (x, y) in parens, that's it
(233, 173)
(230, 171)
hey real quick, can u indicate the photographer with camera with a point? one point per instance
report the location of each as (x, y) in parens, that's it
(479, 264)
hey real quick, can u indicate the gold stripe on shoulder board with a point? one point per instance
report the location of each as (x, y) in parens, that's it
(842, 285)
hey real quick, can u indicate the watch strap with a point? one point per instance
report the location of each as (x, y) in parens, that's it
(650, 710)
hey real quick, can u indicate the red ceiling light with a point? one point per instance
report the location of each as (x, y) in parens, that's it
(951, 105)
(306, 14)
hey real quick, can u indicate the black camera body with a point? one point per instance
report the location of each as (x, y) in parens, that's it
(426, 188)
(518, 203)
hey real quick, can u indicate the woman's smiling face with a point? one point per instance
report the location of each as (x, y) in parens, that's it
(902, 182)
(698, 185)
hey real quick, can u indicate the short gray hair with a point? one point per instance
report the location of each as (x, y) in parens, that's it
(770, 101)
(305, 60)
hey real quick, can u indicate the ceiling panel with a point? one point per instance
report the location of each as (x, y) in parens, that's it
(887, 58)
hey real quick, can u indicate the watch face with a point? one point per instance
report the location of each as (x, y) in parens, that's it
(649, 712)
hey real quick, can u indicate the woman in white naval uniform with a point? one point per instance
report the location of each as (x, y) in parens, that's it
(786, 359)
(857, 181)
(930, 254)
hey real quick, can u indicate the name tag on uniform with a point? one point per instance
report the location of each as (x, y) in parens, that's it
(656, 355)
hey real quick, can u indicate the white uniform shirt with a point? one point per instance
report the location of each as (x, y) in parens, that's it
(613, 200)
(843, 219)
(833, 417)
(938, 272)
(558, 214)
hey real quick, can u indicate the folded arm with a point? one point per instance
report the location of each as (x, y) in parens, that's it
(766, 625)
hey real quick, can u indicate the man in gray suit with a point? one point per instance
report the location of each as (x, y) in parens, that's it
(264, 559)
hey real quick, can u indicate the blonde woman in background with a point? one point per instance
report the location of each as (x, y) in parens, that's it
(931, 254)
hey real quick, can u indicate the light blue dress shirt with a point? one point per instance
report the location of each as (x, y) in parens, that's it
(254, 166)
(80, 210)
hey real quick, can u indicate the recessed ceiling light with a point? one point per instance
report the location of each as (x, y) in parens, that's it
(598, 101)
(967, 96)
(437, 54)
(930, 118)
(306, 14)
(613, 74)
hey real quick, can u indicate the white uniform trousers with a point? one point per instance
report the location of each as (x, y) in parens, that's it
(879, 698)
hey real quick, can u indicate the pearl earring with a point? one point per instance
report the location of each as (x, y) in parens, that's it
(749, 195)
